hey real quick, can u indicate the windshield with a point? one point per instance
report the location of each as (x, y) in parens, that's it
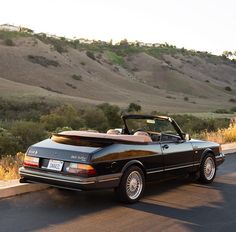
(150, 125)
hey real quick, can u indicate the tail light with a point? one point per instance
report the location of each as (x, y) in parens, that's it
(31, 161)
(81, 169)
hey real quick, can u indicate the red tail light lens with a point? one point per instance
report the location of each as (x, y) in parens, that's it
(81, 169)
(31, 161)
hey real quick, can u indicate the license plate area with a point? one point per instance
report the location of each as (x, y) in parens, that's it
(55, 165)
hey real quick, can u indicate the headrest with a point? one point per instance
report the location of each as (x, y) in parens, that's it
(113, 132)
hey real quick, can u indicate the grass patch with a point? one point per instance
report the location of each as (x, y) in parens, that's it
(115, 59)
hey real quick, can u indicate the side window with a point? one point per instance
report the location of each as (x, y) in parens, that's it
(165, 127)
(168, 132)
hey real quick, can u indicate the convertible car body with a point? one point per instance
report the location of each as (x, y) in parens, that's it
(146, 148)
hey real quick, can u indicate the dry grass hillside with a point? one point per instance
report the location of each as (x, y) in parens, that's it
(163, 78)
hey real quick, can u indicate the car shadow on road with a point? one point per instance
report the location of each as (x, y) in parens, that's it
(201, 208)
(43, 209)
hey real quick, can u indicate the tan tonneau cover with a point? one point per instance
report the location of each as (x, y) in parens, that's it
(131, 138)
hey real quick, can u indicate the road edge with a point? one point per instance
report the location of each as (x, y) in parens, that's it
(16, 188)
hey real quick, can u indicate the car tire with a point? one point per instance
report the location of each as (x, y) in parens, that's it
(207, 169)
(131, 186)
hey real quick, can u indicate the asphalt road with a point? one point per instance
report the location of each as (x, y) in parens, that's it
(174, 205)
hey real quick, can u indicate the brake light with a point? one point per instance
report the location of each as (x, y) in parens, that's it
(81, 169)
(31, 161)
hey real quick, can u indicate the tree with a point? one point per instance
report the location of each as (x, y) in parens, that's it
(95, 119)
(9, 144)
(133, 107)
(112, 114)
(64, 116)
(27, 133)
(227, 54)
(124, 42)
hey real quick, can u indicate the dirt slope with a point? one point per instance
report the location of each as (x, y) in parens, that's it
(174, 83)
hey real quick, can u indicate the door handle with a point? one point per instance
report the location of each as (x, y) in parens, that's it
(165, 146)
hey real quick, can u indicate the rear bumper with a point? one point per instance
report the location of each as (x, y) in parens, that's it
(220, 159)
(29, 175)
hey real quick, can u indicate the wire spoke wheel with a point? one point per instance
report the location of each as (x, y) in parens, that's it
(131, 186)
(209, 168)
(134, 185)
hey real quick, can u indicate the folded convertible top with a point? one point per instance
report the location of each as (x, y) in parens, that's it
(86, 138)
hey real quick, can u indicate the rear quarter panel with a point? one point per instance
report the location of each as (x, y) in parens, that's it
(112, 159)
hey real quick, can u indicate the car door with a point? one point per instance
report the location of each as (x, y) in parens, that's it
(154, 163)
(178, 155)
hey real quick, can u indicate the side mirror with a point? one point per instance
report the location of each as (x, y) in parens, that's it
(187, 137)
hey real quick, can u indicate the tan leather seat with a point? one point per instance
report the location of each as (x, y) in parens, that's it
(144, 134)
(113, 132)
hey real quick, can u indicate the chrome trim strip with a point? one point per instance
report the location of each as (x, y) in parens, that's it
(184, 166)
(110, 179)
(50, 176)
(169, 169)
(161, 170)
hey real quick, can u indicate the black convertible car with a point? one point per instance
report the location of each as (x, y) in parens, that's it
(146, 148)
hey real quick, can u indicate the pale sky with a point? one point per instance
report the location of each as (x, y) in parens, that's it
(208, 25)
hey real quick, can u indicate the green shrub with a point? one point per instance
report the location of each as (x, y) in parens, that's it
(9, 42)
(192, 124)
(112, 114)
(91, 55)
(77, 77)
(233, 109)
(232, 100)
(133, 107)
(222, 111)
(27, 133)
(71, 85)
(9, 144)
(63, 116)
(95, 119)
(45, 62)
(12, 109)
(228, 88)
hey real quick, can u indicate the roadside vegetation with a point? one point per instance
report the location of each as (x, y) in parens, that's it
(226, 135)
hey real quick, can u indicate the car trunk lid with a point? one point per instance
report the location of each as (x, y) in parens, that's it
(49, 149)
